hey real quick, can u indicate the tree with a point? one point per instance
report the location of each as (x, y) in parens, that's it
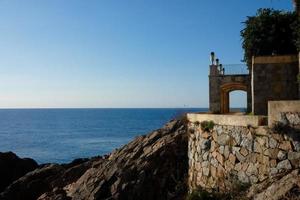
(270, 32)
(297, 6)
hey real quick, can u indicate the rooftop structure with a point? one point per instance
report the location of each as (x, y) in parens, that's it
(271, 78)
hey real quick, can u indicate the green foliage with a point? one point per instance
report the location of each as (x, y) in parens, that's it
(204, 195)
(207, 125)
(270, 32)
(298, 78)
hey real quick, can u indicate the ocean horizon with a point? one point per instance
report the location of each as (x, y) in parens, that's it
(60, 135)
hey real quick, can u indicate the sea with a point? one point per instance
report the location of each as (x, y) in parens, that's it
(61, 135)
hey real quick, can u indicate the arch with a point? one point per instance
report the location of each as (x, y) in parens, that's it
(238, 101)
(226, 89)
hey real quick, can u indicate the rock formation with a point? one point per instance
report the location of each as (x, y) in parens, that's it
(12, 167)
(153, 166)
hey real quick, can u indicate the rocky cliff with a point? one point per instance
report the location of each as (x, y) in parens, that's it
(152, 166)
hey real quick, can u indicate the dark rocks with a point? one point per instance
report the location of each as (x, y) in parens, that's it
(12, 167)
(50, 179)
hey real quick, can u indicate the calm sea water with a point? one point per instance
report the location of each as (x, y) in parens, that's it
(61, 135)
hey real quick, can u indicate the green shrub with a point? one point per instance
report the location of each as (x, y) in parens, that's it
(207, 125)
(204, 195)
(270, 32)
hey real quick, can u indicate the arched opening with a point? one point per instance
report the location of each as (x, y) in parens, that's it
(225, 90)
(237, 101)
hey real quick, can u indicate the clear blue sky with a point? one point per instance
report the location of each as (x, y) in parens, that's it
(117, 53)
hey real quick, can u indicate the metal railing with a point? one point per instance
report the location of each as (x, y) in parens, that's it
(235, 69)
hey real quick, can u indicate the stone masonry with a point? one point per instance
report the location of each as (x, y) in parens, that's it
(225, 155)
(273, 78)
(221, 85)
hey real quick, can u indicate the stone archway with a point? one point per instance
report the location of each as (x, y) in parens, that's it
(226, 89)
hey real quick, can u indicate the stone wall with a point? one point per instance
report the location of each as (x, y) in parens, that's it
(275, 109)
(216, 82)
(273, 78)
(226, 155)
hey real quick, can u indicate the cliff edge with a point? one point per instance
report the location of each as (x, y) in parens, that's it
(153, 166)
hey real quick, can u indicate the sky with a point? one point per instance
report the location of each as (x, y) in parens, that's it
(118, 53)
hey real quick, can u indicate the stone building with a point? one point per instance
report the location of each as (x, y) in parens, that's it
(271, 78)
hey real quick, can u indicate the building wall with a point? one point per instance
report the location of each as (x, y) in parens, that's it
(215, 84)
(273, 78)
(227, 155)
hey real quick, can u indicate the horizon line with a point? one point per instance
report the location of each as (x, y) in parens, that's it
(103, 108)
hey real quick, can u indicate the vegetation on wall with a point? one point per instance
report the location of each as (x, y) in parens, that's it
(270, 32)
(207, 125)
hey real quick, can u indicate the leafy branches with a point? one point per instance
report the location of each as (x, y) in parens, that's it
(270, 32)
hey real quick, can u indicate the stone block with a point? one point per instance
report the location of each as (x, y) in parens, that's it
(263, 141)
(262, 130)
(214, 136)
(223, 139)
(198, 166)
(263, 170)
(273, 143)
(226, 151)
(214, 154)
(296, 145)
(213, 146)
(220, 172)
(228, 166)
(293, 155)
(221, 149)
(252, 157)
(281, 155)
(271, 153)
(257, 147)
(238, 167)
(214, 162)
(245, 166)
(285, 145)
(284, 165)
(220, 158)
(213, 171)
(247, 142)
(239, 156)
(253, 179)
(273, 163)
(252, 170)
(205, 164)
(235, 149)
(294, 158)
(273, 171)
(244, 151)
(205, 171)
(205, 156)
(232, 158)
(277, 137)
(243, 177)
